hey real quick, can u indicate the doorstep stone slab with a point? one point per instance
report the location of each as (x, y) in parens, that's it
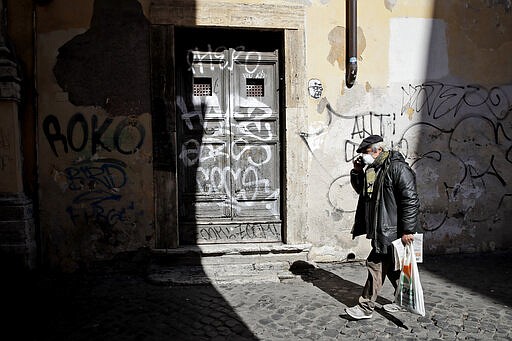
(221, 264)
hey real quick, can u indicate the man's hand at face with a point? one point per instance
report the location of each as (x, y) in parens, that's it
(358, 164)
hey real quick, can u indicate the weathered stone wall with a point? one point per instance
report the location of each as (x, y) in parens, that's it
(434, 80)
(17, 230)
(95, 141)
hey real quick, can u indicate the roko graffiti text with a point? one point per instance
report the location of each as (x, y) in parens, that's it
(79, 134)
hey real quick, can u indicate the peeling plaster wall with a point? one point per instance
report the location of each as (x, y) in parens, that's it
(434, 78)
(94, 131)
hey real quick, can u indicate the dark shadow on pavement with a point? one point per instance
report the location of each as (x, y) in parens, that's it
(488, 274)
(114, 301)
(344, 291)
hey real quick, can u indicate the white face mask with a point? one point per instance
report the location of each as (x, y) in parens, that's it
(368, 159)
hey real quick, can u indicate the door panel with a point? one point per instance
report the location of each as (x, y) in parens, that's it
(255, 78)
(257, 175)
(229, 186)
(256, 138)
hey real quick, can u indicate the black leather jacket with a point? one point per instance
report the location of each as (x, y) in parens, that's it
(394, 203)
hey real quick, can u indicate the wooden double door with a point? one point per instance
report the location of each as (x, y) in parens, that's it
(228, 147)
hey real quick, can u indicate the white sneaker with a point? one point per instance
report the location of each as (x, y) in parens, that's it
(357, 313)
(392, 308)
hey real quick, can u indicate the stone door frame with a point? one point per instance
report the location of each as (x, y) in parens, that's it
(164, 16)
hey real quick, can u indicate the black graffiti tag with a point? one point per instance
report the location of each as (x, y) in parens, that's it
(79, 134)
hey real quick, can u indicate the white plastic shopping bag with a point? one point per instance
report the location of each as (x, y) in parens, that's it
(399, 250)
(409, 293)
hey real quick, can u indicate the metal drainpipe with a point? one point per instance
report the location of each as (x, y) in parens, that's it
(351, 38)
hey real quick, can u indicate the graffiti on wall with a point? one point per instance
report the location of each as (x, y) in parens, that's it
(465, 154)
(458, 139)
(97, 184)
(79, 134)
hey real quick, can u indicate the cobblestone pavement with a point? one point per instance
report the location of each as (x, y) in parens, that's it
(468, 297)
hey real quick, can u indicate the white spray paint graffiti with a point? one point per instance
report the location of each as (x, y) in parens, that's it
(230, 156)
(214, 179)
(217, 59)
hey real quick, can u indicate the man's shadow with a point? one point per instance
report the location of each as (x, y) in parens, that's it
(344, 291)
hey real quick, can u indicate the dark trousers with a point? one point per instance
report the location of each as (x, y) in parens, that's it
(379, 267)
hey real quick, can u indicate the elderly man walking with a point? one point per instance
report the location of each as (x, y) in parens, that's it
(387, 209)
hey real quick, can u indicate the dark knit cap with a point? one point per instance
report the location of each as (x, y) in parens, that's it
(368, 141)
